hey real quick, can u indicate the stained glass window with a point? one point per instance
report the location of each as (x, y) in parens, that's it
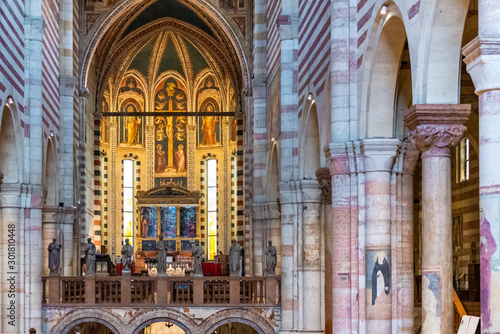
(211, 178)
(128, 201)
(169, 221)
(188, 222)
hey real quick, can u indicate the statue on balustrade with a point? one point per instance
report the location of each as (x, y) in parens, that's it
(90, 251)
(270, 259)
(197, 252)
(127, 252)
(234, 259)
(161, 247)
(54, 257)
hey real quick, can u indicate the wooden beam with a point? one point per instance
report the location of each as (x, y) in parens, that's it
(169, 113)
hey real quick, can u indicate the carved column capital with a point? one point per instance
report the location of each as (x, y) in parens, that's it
(338, 159)
(325, 184)
(52, 214)
(406, 159)
(435, 128)
(379, 153)
(67, 84)
(259, 211)
(482, 56)
(311, 193)
(83, 92)
(273, 210)
(10, 195)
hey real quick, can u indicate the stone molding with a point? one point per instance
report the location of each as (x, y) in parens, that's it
(379, 154)
(289, 192)
(482, 56)
(273, 210)
(51, 214)
(259, 211)
(435, 128)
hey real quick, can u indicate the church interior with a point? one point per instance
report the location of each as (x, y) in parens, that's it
(249, 166)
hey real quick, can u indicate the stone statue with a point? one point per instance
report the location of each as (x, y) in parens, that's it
(234, 259)
(270, 259)
(127, 252)
(54, 257)
(161, 247)
(90, 258)
(198, 257)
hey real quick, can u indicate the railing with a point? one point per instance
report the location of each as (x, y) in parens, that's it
(252, 290)
(459, 311)
(193, 291)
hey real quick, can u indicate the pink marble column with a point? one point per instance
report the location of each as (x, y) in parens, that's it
(434, 129)
(482, 56)
(378, 162)
(339, 243)
(402, 240)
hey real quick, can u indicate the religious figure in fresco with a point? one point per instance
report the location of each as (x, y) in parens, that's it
(234, 130)
(161, 159)
(488, 247)
(180, 159)
(208, 127)
(381, 276)
(104, 135)
(160, 128)
(132, 128)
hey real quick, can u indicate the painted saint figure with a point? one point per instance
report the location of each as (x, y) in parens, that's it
(127, 252)
(180, 159)
(270, 259)
(197, 252)
(208, 127)
(54, 257)
(161, 247)
(381, 276)
(161, 159)
(234, 259)
(132, 128)
(90, 251)
(488, 247)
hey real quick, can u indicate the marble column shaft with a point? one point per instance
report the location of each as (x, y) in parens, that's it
(258, 238)
(51, 228)
(402, 239)
(311, 256)
(482, 56)
(434, 129)
(378, 162)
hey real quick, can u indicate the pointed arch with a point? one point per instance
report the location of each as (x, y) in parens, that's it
(311, 148)
(11, 144)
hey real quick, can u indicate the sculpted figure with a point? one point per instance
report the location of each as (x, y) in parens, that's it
(161, 247)
(198, 257)
(234, 259)
(54, 257)
(127, 252)
(90, 258)
(270, 259)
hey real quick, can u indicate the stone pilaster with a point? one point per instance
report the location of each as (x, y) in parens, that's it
(402, 238)
(435, 129)
(482, 56)
(66, 240)
(378, 158)
(258, 238)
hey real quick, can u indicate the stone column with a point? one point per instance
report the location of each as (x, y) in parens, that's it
(66, 235)
(258, 238)
(51, 228)
(435, 129)
(311, 256)
(482, 56)
(378, 161)
(11, 310)
(402, 239)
